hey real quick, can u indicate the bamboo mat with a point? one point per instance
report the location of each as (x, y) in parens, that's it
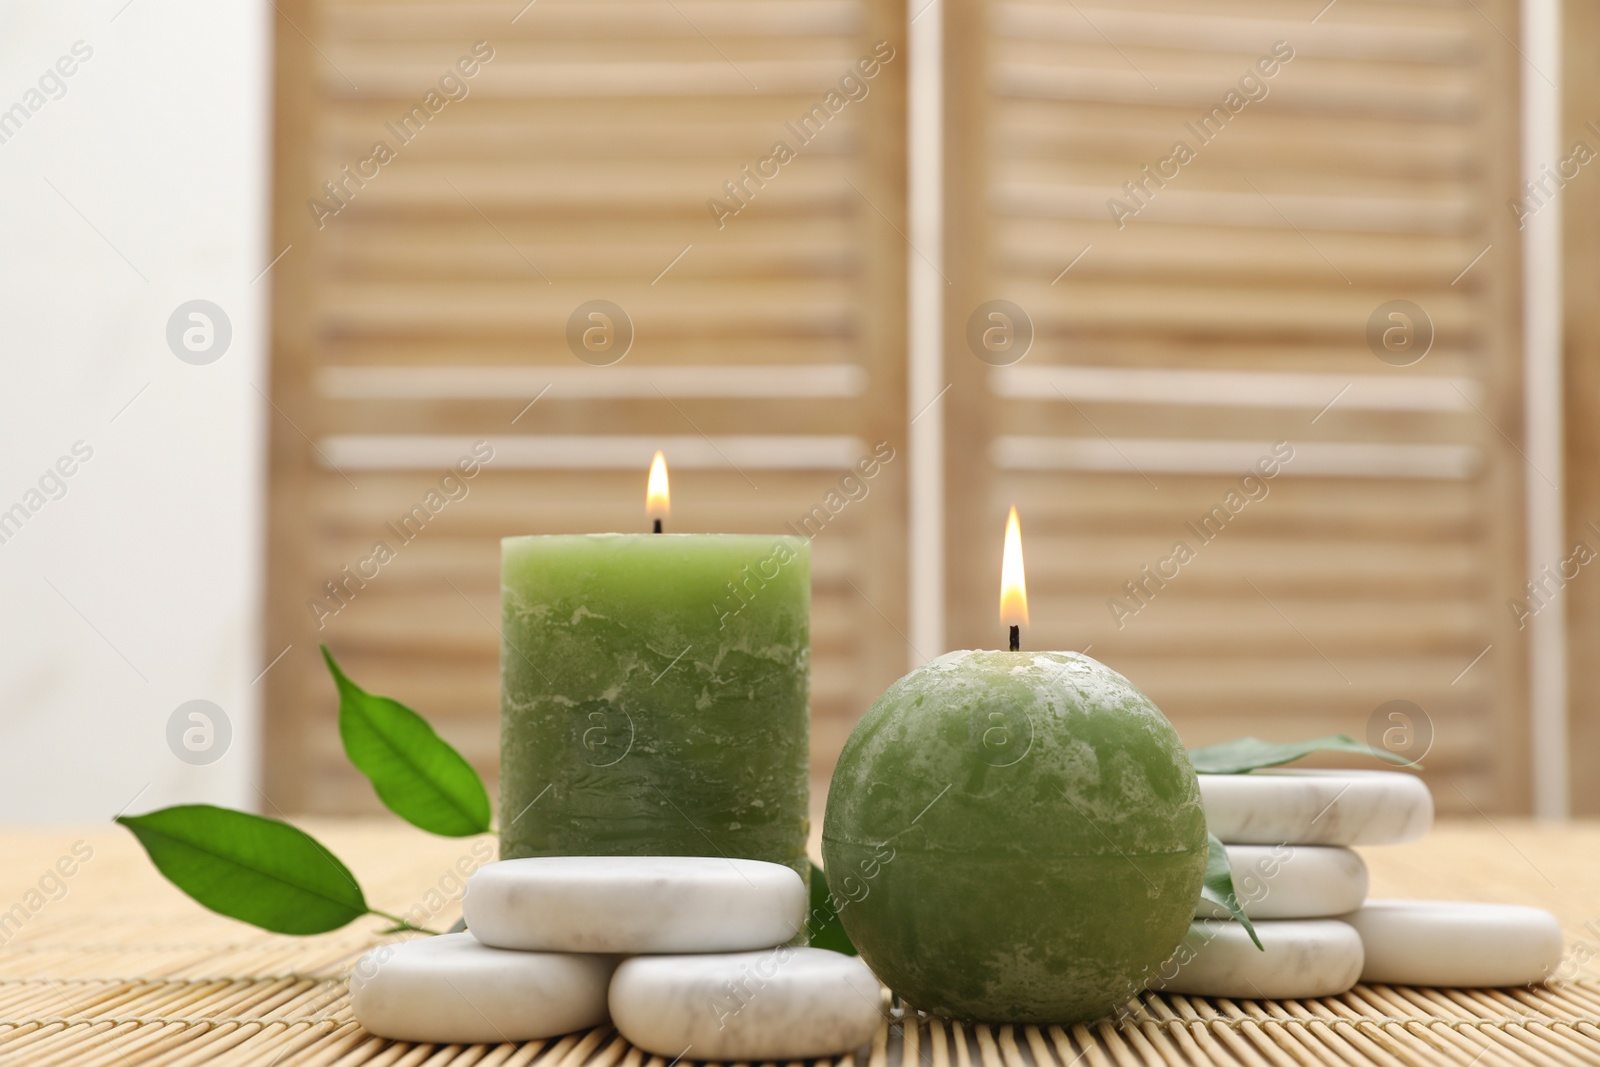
(113, 966)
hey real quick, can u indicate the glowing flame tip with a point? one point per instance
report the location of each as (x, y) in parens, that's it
(1013, 586)
(657, 498)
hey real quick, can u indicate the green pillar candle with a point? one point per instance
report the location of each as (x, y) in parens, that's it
(1016, 837)
(653, 696)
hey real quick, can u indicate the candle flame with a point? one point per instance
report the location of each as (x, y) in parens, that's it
(657, 500)
(1013, 586)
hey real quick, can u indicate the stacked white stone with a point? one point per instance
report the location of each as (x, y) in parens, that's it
(1289, 835)
(686, 956)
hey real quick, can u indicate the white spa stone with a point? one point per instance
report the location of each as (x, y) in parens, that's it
(451, 989)
(1304, 958)
(1292, 882)
(779, 1004)
(632, 904)
(1298, 807)
(1456, 943)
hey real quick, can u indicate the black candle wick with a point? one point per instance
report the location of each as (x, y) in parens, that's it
(658, 526)
(1016, 638)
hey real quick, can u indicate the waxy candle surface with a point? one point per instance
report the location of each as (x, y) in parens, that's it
(654, 693)
(1015, 836)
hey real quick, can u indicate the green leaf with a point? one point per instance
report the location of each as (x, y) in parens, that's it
(258, 870)
(1249, 753)
(822, 921)
(1218, 887)
(415, 772)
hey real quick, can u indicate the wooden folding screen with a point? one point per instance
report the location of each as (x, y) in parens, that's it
(1341, 206)
(1216, 221)
(455, 185)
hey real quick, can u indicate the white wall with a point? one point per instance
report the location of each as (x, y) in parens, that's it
(138, 589)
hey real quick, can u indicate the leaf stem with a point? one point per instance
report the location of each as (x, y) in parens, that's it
(400, 923)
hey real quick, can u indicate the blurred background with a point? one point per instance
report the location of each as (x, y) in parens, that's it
(1274, 320)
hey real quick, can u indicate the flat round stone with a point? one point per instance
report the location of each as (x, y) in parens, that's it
(451, 989)
(1304, 958)
(1456, 943)
(1296, 807)
(1292, 882)
(632, 904)
(784, 1003)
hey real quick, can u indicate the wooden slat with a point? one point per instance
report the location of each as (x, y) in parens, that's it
(1234, 35)
(687, 383)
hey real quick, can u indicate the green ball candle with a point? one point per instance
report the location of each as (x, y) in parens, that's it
(1015, 837)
